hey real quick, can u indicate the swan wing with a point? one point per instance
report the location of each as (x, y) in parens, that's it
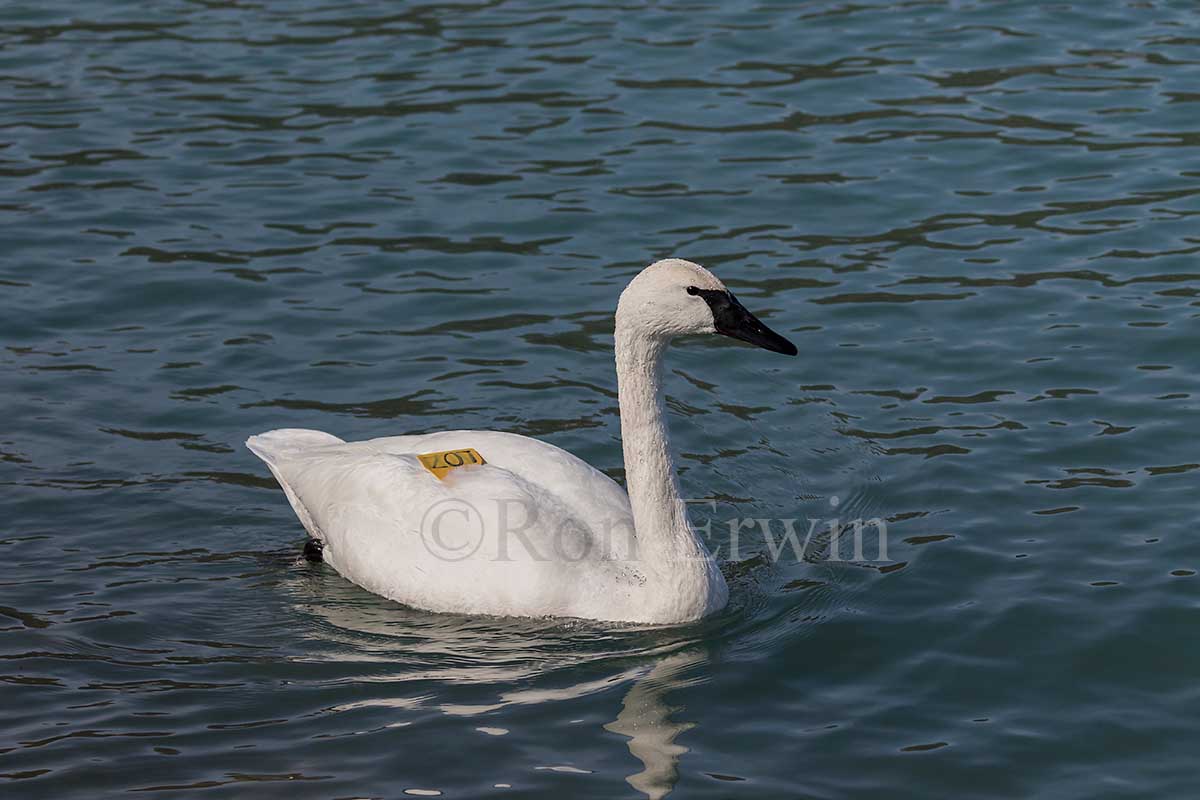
(534, 531)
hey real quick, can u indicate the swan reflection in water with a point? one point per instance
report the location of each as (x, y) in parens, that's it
(487, 659)
(645, 718)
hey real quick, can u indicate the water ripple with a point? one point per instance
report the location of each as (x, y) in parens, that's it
(975, 220)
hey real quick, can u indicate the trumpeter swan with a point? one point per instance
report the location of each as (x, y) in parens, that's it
(532, 530)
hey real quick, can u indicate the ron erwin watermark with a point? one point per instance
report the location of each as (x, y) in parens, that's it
(519, 529)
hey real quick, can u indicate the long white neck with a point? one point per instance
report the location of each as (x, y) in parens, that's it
(668, 550)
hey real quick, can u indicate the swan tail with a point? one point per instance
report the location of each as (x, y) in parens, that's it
(275, 448)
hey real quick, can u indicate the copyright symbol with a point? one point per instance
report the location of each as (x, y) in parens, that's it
(452, 530)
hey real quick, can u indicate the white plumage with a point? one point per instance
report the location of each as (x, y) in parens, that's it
(535, 531)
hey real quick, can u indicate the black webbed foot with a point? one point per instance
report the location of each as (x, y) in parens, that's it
(314, 550)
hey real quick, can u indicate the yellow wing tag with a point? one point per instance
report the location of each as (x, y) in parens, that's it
(441, 463)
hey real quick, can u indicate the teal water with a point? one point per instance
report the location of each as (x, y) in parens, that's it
(978, 222)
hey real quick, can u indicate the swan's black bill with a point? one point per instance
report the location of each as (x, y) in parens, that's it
(732, 319)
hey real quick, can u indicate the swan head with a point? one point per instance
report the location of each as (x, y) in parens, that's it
(674, 297)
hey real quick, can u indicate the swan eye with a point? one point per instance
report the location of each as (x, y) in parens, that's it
(693, 290)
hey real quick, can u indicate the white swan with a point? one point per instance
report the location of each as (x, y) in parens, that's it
(534, 531)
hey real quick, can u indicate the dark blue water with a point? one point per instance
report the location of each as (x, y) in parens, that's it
(978, 221)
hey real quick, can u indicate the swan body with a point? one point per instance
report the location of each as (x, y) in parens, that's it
(467, 544)
(534, 531)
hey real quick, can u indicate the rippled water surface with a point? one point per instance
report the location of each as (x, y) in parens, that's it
(977, 220)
